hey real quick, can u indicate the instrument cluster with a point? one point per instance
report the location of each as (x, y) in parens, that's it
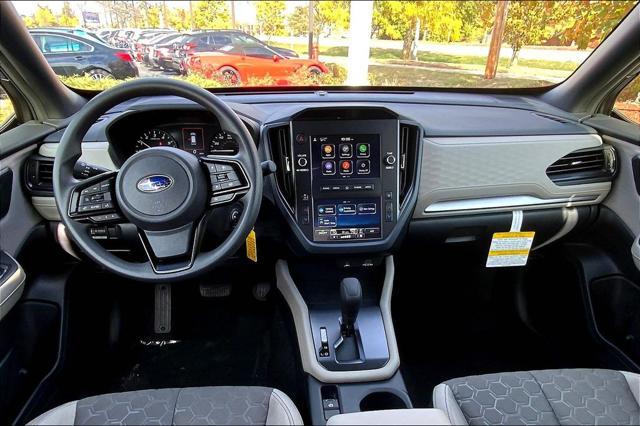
(197, 132)
(198, 140)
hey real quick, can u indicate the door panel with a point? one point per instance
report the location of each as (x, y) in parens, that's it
(21, 217)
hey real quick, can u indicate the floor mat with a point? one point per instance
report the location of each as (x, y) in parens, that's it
(235, 340)
(463, 322)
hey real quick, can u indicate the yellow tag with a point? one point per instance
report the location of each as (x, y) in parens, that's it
(510, 249)
(252, 247)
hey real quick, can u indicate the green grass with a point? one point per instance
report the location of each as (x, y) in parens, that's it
(441, 58)
(6, 110)
(380, 75)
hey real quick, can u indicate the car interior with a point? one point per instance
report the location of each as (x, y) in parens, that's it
(319, 255)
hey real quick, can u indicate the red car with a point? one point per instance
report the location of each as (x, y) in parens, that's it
(240, 64)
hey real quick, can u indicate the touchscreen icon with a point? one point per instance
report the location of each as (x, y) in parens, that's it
(363, 166)
(362, 150)
(346, 167)
(345, 150)
(328, 151)
(328, 167)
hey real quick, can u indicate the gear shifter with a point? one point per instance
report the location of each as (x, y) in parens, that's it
(350, 302)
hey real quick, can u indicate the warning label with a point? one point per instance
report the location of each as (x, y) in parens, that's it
(510, 249)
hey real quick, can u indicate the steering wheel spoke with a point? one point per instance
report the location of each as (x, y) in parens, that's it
(228, 178)
(94, 200)
(172, 250)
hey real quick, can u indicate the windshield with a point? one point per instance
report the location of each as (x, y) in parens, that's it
(435, 44)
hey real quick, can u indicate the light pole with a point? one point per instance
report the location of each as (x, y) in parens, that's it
(359, 42)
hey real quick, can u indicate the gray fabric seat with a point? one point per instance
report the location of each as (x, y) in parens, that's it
(560, 397)
(222, 405)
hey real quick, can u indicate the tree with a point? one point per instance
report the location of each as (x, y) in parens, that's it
(270, 17)
(44, 17)
(586, 22)
(477, 19)
(298, 21)
(398, 20)
(529, 22)
(212, 14)
(67, 17)
(177, 19)
(328, 16)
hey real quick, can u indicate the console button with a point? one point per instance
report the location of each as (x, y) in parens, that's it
(330, 404)
(302, 162)
(300, 138)
(328, 167)
(388, 195)
(346, 150)
(346, 167)
(369, 187)
(390, 159)
(325, 188)
(305, 215)
(328, 151)
(363, 167)
(388, 211)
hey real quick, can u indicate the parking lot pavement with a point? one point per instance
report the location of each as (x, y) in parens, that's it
(145, 71)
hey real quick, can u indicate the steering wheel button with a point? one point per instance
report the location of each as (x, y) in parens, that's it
(224, 167)
(221, 198)
(216, 187)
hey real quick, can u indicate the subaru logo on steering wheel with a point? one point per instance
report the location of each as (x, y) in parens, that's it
(155, 183)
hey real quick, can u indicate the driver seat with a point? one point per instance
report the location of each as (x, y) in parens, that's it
(219, 405)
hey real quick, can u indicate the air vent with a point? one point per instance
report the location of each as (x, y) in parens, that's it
(280, 141)
(409, 136)
(39, 174)
(584, 166)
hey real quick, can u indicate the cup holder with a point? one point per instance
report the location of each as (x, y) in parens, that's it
(382, 401)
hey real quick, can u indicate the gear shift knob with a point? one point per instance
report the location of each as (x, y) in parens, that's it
(350, 302)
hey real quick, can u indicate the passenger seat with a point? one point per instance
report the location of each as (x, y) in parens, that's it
(220, 405)
(564, 397)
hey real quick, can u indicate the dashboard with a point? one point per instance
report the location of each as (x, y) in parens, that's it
(356, 172)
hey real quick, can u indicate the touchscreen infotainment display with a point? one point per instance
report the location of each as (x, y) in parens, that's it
(345, 171)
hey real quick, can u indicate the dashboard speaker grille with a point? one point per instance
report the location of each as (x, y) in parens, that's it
(584, 166)
(280, 139)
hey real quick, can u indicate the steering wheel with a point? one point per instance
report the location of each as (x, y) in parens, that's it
(165, 192)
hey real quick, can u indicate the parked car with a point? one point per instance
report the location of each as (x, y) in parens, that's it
(145, 46)
(161, 55)
(70, 54)
(214, 40)
(77, 31)
(140, 42)
(239, 63)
